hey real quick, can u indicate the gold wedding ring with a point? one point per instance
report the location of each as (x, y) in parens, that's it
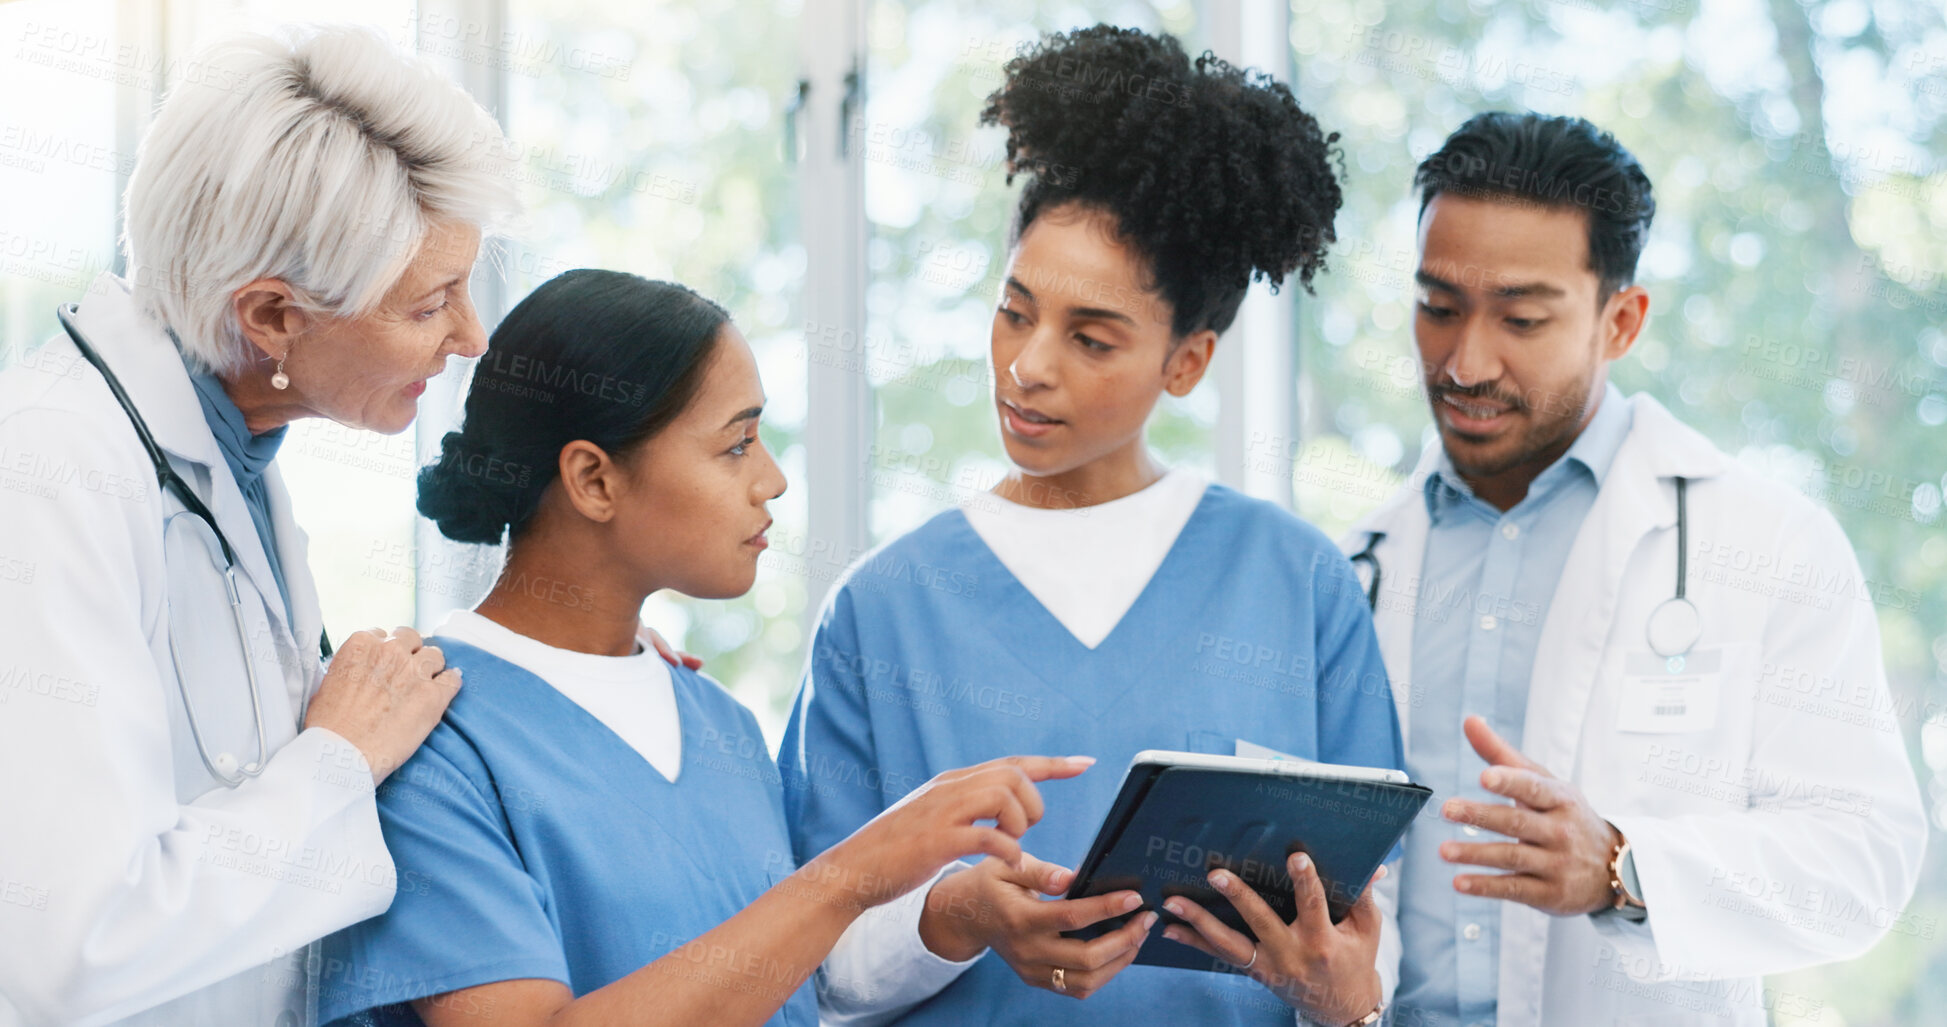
(1060, 979)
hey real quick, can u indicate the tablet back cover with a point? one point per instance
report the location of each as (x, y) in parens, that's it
(1182, 822)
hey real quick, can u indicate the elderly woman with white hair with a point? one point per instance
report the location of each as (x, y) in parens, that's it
(189, 789)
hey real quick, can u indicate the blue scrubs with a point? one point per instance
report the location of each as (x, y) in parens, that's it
(931, 655)
(533, 842)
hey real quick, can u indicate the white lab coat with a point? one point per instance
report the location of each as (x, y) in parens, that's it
(135, 884)
(1788, 832)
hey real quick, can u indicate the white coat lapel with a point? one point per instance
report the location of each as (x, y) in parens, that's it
(142, 356)
(1573, 636)
(1636, 499)
(1577, 627)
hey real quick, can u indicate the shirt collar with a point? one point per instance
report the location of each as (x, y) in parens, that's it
(246, 454)
(1596, 448)
(1592, 452)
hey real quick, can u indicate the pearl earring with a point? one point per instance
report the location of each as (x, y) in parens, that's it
(280, 380)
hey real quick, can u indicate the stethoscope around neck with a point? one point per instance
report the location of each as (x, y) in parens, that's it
(1673, 627)
(1676, 624)
(193, 504)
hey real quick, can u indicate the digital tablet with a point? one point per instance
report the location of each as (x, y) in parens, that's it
(1180, 815)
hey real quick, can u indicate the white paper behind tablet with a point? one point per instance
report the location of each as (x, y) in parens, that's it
(1252, 750)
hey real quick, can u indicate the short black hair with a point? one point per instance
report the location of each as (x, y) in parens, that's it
(1212, 173)
(1558, 162)
(605, 356)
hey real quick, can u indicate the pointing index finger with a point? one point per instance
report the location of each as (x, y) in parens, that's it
(1051, 768)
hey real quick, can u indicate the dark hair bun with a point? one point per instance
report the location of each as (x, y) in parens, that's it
(602, 356)
(1212, 172)
(471, 493)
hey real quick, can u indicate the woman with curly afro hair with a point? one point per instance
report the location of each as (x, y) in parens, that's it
(1097, 602)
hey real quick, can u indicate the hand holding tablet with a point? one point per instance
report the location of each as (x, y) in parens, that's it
(1179, 816)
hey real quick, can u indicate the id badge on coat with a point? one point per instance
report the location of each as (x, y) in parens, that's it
(1663, 695)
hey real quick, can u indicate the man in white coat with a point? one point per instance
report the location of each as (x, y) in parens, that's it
(1643, 803)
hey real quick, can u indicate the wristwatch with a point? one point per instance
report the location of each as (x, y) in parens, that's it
(1626, 899)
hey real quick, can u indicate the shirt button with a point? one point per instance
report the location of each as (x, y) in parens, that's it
(1488, 622)
(1471, 932)
(1510, 530)
(1469, 830)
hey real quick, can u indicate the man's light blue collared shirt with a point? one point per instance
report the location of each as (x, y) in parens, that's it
(1485, 587)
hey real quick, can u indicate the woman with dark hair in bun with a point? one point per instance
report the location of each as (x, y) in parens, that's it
(1098, 602)
(591, 836)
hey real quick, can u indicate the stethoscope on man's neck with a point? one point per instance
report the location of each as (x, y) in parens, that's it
(1673, 627)
(174, 484)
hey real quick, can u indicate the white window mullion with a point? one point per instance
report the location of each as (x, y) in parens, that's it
(831, 192)
(1255, 368)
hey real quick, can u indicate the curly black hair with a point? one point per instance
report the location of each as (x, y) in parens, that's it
(1211, 172)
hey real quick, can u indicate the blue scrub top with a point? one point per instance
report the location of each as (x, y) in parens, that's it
(931, 656)
(533, 842)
